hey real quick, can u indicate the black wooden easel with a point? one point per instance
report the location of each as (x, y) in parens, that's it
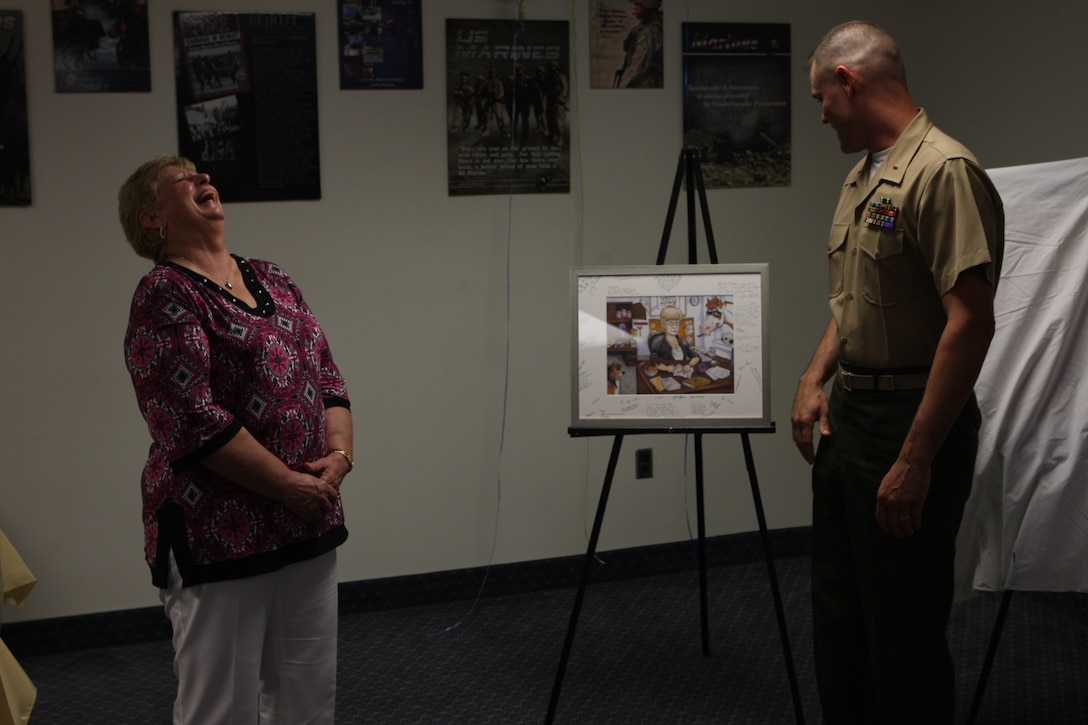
(687, 169)
(991, 654)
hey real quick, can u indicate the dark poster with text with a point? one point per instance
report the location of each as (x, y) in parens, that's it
(381, 44)
(14, 136)
(737, 102)
(247, 102)
(508, 107)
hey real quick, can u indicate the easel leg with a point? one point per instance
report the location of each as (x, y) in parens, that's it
(671, 213)
(991, 653)
(587, 564)
(691, 160)
(700, 185)
(749, 462)
(700, 515)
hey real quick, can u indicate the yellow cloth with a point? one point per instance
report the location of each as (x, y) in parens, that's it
(17, 692)
(14, 575)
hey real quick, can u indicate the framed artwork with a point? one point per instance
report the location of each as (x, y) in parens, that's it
(670, 348)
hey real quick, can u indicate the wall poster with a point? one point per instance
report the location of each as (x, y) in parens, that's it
(246, 89)
(737, 102)
(626, 45)
(507, 108)
(381, 44)
(101, 46)
(14, 133)
(670, 347)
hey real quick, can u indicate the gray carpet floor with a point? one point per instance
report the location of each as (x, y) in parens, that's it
(636, 658)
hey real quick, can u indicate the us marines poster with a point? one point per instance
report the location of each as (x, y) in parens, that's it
(508, 107)
(737, 102)
(246, 89)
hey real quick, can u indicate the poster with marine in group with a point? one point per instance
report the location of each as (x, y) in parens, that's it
(508, 107)
(737, 102)
(246, 87)
(14, 135)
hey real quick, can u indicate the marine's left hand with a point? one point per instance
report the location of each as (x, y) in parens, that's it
(900, 498)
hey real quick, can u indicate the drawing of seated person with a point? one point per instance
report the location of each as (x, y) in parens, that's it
(669, 351)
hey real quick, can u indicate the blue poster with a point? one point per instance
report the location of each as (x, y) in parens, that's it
(380, 44)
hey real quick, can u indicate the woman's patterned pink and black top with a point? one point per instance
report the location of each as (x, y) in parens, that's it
(204, 365)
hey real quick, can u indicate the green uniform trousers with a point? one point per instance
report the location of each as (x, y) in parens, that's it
(880, 603)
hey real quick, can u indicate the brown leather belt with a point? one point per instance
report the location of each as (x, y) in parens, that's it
(890, 381)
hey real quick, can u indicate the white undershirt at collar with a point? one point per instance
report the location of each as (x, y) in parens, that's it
(875, 160)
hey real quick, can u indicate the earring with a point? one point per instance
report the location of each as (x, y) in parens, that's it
(162, 232)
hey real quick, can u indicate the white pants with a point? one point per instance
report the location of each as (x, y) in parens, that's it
(256, 650)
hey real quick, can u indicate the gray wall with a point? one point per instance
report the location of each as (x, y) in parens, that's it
(440, 483)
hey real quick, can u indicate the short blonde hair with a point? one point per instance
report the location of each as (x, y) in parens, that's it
(140, 193)
(671, 313)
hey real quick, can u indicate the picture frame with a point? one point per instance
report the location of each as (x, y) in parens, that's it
(670, 348)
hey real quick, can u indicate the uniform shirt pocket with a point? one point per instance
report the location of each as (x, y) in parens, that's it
(886, 269)
(836, 258)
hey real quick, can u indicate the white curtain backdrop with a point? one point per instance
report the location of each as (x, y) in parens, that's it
(1026, 524)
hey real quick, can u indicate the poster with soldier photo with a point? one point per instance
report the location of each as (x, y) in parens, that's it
(737, 102)
(626, 45)
(508, 107)
(101, 46)
(246, 86)
(14, 135)
(381, 44)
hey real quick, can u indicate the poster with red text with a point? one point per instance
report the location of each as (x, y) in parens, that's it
(246, 88)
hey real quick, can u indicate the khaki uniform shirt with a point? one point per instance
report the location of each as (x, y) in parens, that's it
(899, 243)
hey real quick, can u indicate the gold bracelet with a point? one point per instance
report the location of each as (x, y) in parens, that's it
(347, 456)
